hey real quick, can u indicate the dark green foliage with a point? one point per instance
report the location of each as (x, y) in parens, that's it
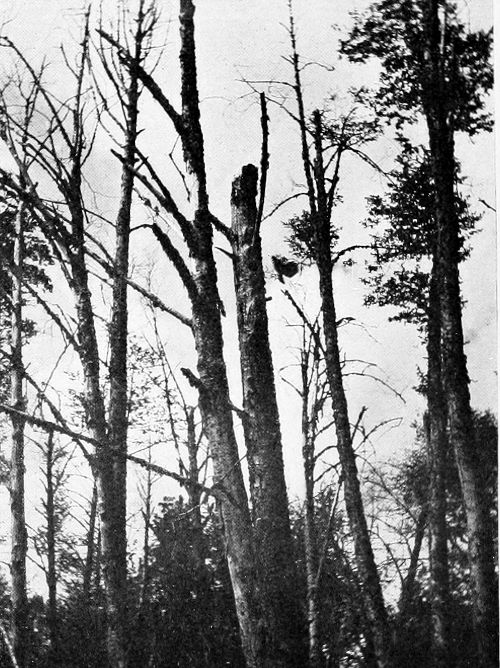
(190, 619)
(301, 237)
(341, 613)
(393, 32)
(342, 134)
(404, 236)
(411, 481)
(82, 633)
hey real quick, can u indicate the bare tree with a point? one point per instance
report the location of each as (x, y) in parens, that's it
(61, 156)
(200, 283)
(313, 396)
(321, 191)
(261, 425)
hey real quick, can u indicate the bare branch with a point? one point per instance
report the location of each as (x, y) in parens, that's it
(217, 490)
(306, 321)
(148, 83)
(378, 380)
(264, 162)
(153, 299)
(175, 257)
(282, 203)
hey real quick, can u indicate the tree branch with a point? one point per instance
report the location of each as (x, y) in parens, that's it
(175, 257)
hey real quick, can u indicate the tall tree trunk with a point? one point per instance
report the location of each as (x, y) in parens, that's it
(146, 544)
(218, 426)
(118, 337)
(367, 569)
(90, 545)
(194, 494)
(438, 464)
(310, 532)
(455, 376)
(52, 621)
(261, 426)
(214, 402)
(19, 598)
(111, 527)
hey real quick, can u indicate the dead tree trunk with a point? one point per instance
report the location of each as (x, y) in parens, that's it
(261, 425)
(52, 621)
(218, 426)
(212, 384)
(146, 543)
(321, 196)
(118, 334)
(194, 493)
(310, 532)
(90, 545)
(200, 281)
(455, 376)
(19, 599)
(367, 569)
(408, 588)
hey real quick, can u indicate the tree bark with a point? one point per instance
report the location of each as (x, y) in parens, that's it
(118, 338)
(455, 376)
(218, 425)
(367, 569)
(19, 599)
(146, 544)
(111, 526)
(90, 556)
(194, 493)
(310, 532)
(261, 426)
(212, 383)
(438, 464)
(52, 622)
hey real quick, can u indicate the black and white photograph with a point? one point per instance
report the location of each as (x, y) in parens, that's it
(248, 334)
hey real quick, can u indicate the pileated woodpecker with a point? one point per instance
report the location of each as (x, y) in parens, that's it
(284, 267)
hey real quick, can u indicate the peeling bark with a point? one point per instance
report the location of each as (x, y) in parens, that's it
(194, 492)
(90, 543)
(214, 403)
(261, 425)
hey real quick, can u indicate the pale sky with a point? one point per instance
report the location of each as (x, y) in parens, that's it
(246, 39)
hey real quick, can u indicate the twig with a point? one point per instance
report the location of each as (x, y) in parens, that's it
(306, 321)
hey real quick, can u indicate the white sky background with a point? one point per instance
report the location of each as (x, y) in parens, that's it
(239, 39)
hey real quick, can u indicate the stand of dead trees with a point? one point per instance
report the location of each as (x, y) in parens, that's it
(231, 571)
